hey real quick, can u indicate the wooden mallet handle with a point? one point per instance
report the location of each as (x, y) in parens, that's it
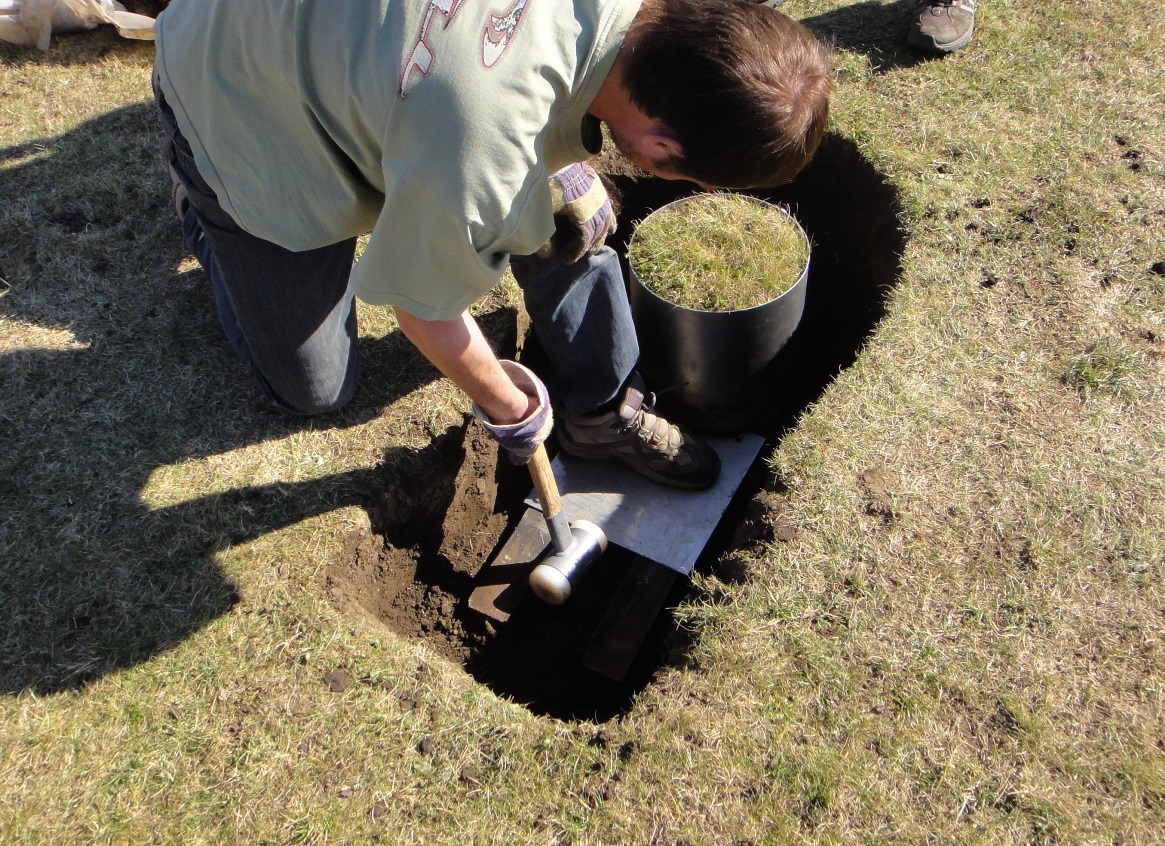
(547, 488)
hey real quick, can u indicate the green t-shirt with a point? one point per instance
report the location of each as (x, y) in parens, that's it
(432, 125)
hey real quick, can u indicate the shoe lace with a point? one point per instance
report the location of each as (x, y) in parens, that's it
(653, 430)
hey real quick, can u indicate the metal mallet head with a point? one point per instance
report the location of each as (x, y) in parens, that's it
(553, 579)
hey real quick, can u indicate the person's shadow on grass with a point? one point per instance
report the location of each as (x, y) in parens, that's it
(113, 369)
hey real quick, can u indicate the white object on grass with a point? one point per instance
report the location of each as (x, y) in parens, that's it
(32, 22)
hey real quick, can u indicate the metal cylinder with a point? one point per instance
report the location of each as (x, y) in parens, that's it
(707, 361)
(557, 575)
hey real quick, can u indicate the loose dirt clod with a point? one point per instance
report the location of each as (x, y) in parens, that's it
(338, 680)
(876, 484)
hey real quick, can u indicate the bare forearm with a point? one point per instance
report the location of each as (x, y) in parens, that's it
(460, 351)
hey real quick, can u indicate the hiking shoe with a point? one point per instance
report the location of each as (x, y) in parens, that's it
(942, 26)
(644, 441)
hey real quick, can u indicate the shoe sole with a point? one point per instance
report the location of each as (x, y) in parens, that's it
(600, 454)
(929, 44)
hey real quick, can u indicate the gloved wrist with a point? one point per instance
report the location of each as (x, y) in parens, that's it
(521, 439)
(583, 213)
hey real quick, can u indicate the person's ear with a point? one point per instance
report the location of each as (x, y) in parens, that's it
(662, 144)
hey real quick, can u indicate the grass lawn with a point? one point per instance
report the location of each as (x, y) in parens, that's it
(951, 631)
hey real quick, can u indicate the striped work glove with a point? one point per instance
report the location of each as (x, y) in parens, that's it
(583, 214)
(522, 438)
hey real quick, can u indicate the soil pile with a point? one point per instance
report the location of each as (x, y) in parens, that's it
(441, 515)
(443, 512)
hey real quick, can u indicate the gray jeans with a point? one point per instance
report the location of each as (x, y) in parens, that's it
(291, 317)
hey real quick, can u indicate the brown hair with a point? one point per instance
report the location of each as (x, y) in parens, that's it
(744, 88)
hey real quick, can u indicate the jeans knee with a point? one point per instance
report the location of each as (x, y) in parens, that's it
(312, 397)
(312, 406)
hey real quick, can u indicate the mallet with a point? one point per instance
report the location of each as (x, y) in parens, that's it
(576, 546)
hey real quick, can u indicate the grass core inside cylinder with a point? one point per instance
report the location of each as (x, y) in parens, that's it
(718, 252)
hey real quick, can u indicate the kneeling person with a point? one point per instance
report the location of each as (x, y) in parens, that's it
(453, 133)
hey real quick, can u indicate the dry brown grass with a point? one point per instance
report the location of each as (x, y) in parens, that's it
(956, 637)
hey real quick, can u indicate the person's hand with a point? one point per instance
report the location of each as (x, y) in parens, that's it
(583, 214)
(522, 438)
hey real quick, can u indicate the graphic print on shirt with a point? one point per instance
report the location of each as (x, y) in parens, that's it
(499, 29)
(421, 59)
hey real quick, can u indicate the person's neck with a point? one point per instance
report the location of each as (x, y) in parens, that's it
(612, 101)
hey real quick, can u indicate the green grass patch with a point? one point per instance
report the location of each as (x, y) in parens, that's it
(1107, 367)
